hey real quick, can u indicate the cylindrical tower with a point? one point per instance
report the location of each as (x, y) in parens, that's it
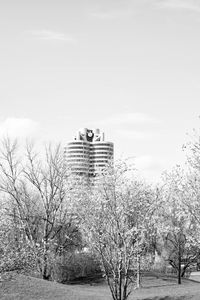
(88, 153)
(77, 156)
(101, 154)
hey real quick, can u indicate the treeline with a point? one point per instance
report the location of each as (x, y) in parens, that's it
(62, 227)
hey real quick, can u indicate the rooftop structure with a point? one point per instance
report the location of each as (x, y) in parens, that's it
(88, 152)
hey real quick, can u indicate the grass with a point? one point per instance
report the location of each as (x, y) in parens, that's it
(21, 287)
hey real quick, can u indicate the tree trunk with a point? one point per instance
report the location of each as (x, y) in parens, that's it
(138, 281)
(45, 274)
(184, 270)
(179, 266)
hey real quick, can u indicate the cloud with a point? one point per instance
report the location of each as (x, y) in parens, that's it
(136, 135)
(51, 36)
(190, 5)
(130, 118)
(130, 125)
(111, 10)
(112, 14)
(150, 167)
(147, 167)
(129, 8)
(147, 162)
(18, 127)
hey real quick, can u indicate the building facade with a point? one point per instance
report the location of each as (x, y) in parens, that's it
(88, 152)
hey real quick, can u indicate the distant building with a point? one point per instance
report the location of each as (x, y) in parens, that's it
(88, 152)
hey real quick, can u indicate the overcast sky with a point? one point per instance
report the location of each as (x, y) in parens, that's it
(129, 67)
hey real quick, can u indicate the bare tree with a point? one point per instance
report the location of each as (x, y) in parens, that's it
(38, 188)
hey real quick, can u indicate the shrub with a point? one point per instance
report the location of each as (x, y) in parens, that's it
(12, 259)
(76, 266)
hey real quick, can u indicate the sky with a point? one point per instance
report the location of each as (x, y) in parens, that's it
(130, 68)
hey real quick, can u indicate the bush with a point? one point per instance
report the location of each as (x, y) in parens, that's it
(76, 266)
(160, 264)
(12, 259)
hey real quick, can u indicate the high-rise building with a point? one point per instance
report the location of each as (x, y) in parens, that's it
(88, 152)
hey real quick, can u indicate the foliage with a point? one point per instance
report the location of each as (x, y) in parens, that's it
(177, 224)
(64, 225)
(115, 214)
(76, 266)
(15, 253)
(37, 190)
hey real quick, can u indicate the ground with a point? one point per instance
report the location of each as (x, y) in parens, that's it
(21, 287)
